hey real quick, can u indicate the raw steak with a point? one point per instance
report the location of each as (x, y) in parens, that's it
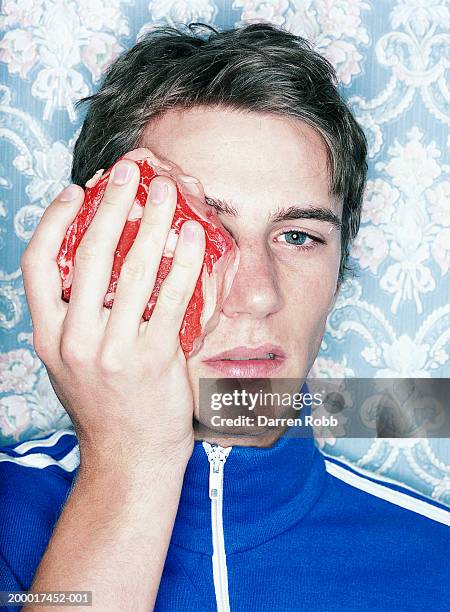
(219, 264)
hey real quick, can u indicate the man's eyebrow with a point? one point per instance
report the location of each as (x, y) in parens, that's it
(318, 213)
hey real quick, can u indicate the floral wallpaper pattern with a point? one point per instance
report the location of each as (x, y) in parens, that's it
(391, 56)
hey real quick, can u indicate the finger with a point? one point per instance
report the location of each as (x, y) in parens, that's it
(140, 267)
(95, 254)
(41, 276)
(178, 287)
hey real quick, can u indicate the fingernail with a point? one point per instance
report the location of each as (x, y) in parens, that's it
(121, 174)
(191, 231)
(158, 192)
(69, 193)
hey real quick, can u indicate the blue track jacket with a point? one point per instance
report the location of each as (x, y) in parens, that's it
(273, 529)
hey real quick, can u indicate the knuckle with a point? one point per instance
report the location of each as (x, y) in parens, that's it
(107, 202)
(41, 348)
(171, 294)
(87, 251)
(151, 236)
(184, 264)
(133, 270)
(149, 226)
(72, 350)
(110, 360)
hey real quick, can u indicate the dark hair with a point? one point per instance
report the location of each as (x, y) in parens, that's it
(257, 67)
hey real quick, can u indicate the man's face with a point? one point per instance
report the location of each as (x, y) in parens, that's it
(262, 165)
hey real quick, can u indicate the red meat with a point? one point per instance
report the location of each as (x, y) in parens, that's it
(219, 264)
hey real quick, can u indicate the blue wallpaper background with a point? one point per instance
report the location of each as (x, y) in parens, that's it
(392, 320)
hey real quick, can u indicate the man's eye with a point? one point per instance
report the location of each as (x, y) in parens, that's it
(300, 240)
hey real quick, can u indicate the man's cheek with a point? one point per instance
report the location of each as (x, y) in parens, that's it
(305, 314)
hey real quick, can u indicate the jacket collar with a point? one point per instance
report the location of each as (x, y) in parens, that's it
(265, 491)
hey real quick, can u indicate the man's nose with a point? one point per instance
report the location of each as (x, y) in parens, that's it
(255, 291)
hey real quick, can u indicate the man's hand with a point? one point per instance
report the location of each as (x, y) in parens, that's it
(123, 381)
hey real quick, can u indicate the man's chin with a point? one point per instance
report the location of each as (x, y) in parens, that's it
(255, 429)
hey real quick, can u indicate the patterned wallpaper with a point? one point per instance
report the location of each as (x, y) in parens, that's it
(392, 320)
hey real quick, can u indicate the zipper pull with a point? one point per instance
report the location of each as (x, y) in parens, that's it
(217, 455)
(215, 479)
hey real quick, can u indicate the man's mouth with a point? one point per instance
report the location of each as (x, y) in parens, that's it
(248, 362)
(268, 356)
(265, 351)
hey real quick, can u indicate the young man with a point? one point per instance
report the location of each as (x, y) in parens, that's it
(133, 508)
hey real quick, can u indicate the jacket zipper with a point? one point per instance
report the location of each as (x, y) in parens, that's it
(217, 457)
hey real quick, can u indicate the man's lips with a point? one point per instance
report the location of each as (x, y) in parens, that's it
(250, 353)
(248, 362)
